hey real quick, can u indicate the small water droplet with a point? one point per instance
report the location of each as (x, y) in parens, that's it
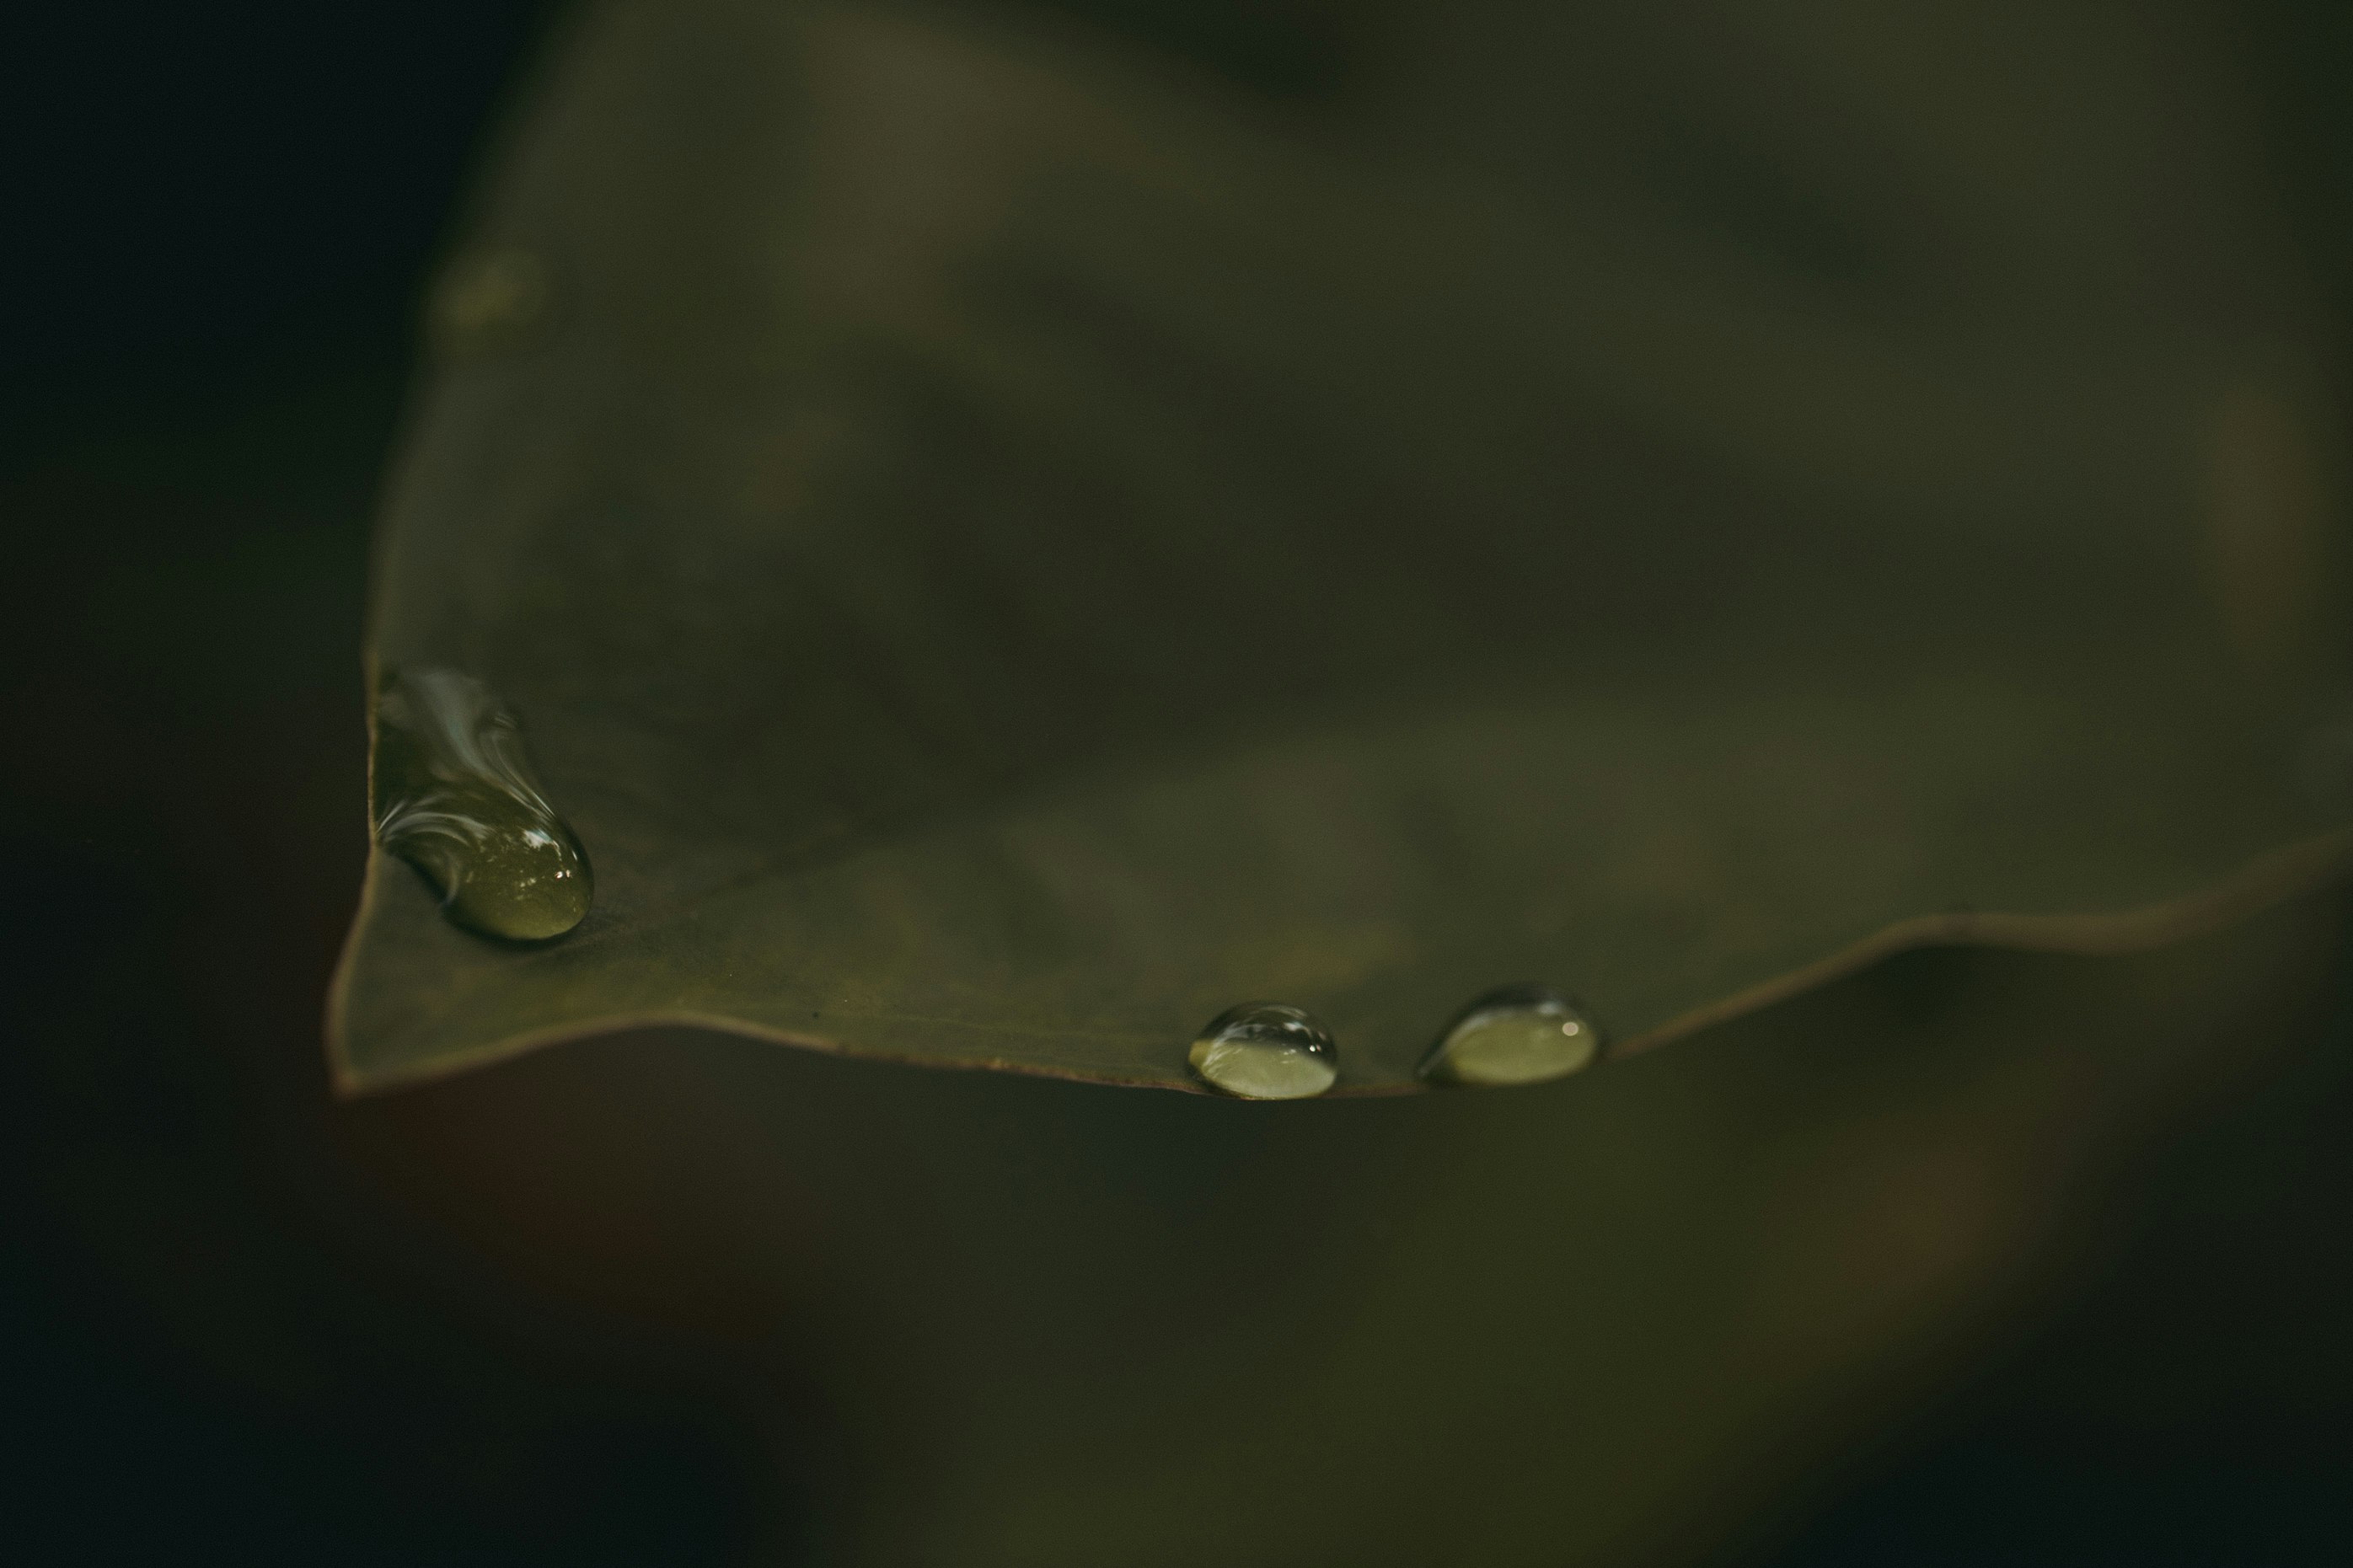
(1265, 1050)
(487, 302)
(1520, 1034)
(455, 798)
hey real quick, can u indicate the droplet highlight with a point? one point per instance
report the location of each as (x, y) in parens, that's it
(454, 796)
(1520, 1034)
(1265, 1050)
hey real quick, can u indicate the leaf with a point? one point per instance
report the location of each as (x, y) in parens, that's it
(1005, 548)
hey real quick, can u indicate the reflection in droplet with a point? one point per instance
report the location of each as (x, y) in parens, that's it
(1521, 1034)
(454, 797)
(1265, 1050)
(487, 302)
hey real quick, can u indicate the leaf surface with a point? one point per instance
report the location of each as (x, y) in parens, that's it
(1003, 547)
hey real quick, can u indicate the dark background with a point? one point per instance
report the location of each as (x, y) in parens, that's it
(218, 1337)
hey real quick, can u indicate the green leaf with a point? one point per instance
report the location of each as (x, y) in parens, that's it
(1004, 548)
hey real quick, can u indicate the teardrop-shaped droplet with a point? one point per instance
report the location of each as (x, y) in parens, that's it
(455, 798)
(1521, 1034)
(1265, 1050)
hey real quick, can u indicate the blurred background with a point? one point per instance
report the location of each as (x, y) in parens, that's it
(229, 1327)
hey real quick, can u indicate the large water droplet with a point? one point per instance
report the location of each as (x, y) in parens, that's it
(1265, 1050)
(455, 798)
(1521, 1034)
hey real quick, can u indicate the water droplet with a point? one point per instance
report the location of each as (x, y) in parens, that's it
(455, 798)
(1521, 1034)
(487, 302)
(1265, 1050)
